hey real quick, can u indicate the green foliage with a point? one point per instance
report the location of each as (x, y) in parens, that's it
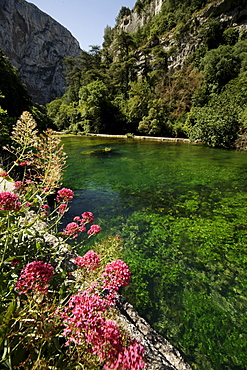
(219, 121)
(219, 66)
(212, 33)
(12, 89)
(123, 12)
(230, 36)
(141, 94)
(206, 123)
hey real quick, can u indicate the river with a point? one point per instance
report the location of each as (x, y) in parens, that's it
(181, 211)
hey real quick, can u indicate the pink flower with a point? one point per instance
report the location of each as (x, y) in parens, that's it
(4, 174)
(45, 206)
(116, 274)
(90, 261)
(18, 185)
(129, 358)
(9, 201)
(23, 163)
(27, 204)
(87, 217)
(94, 229)
(62, 208)
(72, 229)
(65, 194)
(35, 277)
(45, 190)
(84, 322)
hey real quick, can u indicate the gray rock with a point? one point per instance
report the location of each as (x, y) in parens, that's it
(36, 45)
(180, 46)
(160, 354)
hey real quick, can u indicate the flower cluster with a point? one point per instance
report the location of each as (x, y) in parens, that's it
(116, 274)
(35, 277)
(78, 225)
(62, 208)
(73, 230)
(84, 321)
(18, 185)
(65, 194)
(90, 261)
(4, 174)
(87, 217)
(9, 201)
(94, 230)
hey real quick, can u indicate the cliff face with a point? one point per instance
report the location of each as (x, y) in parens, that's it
(36, 45)
(134, 21)
(179, 45)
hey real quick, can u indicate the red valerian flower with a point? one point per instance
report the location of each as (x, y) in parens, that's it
(90, 261)
(116, 274)
(23, 163)
(65, 194)
(4, 174)
(94, 230)
(73, 230)
(45, 206)
(35, 277)
(87, 217)
(62, 208)
(9, 201)
(18, 185)
(85, 322)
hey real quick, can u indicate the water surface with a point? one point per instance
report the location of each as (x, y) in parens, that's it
(181, 210)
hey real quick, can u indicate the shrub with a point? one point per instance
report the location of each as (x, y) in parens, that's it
(57, 308)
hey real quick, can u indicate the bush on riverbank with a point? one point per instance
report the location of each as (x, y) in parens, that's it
(57, 308)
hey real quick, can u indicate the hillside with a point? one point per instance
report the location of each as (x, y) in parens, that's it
(167, 68)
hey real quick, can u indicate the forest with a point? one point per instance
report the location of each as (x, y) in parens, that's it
(127, 87)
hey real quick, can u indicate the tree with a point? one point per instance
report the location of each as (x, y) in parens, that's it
(219, 66)
(124, 73)
(15, 98)
(123, 12)
(92, 103)
(108, 36)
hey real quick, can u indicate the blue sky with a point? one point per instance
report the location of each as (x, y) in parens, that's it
(85, 19)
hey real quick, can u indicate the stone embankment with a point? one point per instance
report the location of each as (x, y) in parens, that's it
(148, 138)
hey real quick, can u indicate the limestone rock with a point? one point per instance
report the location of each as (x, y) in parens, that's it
(134, 21)
(179, 45)
(36, 45)
(160, 354)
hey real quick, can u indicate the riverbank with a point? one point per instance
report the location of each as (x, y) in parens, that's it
(151, 138)
(136, 137)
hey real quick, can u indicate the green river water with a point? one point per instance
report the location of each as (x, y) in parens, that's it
(181, 211)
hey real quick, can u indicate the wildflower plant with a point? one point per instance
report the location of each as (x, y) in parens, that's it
(57, 309)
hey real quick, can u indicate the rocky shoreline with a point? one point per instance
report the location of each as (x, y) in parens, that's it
(135, 137)
(147, 138)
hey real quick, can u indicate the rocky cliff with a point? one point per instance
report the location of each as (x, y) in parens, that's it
(178, 44)
(36, 45)
(134, 21)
